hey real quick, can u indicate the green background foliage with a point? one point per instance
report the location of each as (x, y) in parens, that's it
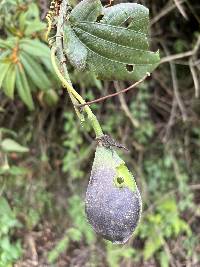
(46, 155)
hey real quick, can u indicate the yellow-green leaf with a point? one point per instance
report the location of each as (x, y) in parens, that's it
(10, 145)
(23, 88)
(9, 81)
(35, 72)
(3, 71)
(35, 48)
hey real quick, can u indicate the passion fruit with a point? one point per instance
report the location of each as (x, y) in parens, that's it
(113, 202)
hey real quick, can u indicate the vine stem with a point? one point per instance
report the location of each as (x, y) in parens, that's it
(91, 117)
(58, 57)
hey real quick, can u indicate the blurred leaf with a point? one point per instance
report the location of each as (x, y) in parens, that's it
(115, 254)
(168, 205)
(9, 81)
(60, 247)
(47, 63)
(4, 206)
(35, 72)
(8, 43)
(9, 145)
(33, 12)
(22, 21)
(23, 88)
(7, 217)
(76, 212)
(152, 244)
(9, 251)
(35, 48)
(17, 171)
(33, 27)
(3, 71)
(163, 259)
(50, 97)
(33, 23)
(8, 131)
(74, 234)
(3, 56)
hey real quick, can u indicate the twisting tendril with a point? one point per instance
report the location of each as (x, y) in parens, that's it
(52, 13)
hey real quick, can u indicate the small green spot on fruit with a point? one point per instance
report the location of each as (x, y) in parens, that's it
(119, 182)
(124, 178)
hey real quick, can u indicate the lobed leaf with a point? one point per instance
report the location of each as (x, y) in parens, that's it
(114, 46)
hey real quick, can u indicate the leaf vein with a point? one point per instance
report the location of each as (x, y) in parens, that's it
(124, 63)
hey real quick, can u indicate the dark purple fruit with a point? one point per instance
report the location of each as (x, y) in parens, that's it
(113, 202)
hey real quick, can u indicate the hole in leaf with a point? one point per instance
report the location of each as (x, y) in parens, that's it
(32, 17)
(129, 67)
(127, 22)
(99, 18)
(120, 180)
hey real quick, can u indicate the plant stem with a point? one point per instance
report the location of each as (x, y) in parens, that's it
(115, 94)
(92, 118)
(60, 55)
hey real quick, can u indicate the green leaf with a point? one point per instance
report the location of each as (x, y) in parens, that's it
(6, 43)
(51, 97)
(76, 52)
(33, 23)
(152, 244)
(74, 234)
(35, 72)
(23, 88)
(9, 82)
(4, 55)
(48, 65)
(7, 131)
(4, 207)
(22, 21)
(87, 10)
(35, 48)
(3, 71)
(132, 16)
(9, 145)
(114, 47)
(33, 27)
(164, 259)
(62, 245)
